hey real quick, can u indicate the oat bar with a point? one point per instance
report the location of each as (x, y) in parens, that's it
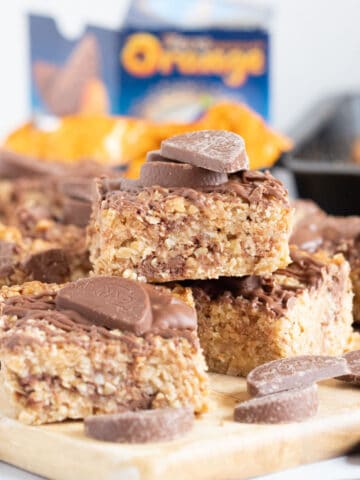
(159, 234)
(33, 188)
(302, 309)
(57, 253)
(67, 363)
(315, 230)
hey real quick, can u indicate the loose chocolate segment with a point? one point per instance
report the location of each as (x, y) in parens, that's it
(353, 361)
(111, 302)
(7, 258)
(289, 406)
(216, 150)
(172, 174)
(49, 266)
(295, 372)
(142, 426)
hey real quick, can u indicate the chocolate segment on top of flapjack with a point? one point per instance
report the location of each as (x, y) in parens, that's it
(111, 302)
(172, 174)
(108, 303)
(293, 405)
(155, 156)
(295, 372)
(142, 426)
(215, 150)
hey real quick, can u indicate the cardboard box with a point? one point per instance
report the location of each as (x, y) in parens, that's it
(162, 60)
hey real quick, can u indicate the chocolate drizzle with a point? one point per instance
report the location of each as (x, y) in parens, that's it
(304, 268)
(171, 316)
(250, 186)
(266, 291)
(315, 230)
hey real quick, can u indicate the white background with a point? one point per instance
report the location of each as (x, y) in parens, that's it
(315, 52)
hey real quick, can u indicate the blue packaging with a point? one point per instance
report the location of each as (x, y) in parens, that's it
(166, 61)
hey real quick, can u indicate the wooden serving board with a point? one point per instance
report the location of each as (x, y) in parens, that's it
(217, 448)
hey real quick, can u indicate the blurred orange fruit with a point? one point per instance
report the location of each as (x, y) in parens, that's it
(125, 140)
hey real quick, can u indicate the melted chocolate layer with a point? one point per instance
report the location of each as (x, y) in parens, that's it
(250, 186)
(317, 231)
(266, 292)
(170, 315)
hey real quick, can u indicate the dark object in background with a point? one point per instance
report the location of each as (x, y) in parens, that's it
(322, 160)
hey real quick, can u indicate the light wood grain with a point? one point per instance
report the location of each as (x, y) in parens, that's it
(217, 449)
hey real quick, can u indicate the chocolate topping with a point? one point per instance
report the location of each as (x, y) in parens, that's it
(141, 426)
(353, 361)
(295, 372)
(104, 303)
(304, 268)
(49, 266)
(172, 174)
(216, 150)
(266, 291)
(317, 231)
(290, 406)
(169, 312)
(110, 302)
(7, 258)
(260, 291)
(250, 186)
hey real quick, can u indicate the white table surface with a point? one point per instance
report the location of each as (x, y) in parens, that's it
(342, 468)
